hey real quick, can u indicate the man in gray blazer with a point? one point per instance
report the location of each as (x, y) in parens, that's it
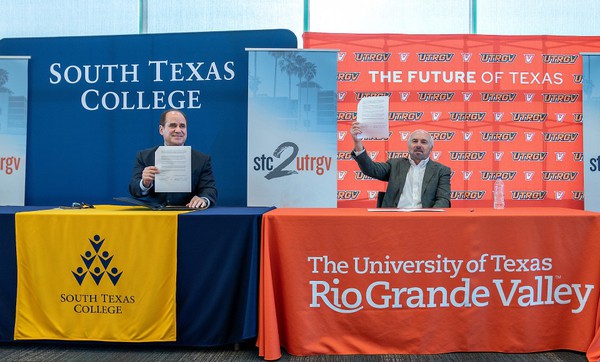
(414, 182)
(173, 128)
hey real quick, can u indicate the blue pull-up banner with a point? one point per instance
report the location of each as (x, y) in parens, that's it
(292, 128)
(591, 130)
(13, 129)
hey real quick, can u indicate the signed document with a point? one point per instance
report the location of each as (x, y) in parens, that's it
(175, 166)
(391, 209)
(372, 114)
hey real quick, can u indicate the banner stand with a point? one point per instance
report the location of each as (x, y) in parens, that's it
(591, 131)
(292, 128)
(13, 128)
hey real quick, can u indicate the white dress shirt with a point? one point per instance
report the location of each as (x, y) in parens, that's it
(411, 193)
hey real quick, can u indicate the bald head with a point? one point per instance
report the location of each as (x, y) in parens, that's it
(420, 144)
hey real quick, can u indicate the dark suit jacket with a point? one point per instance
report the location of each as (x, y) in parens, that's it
(203, 181)
(436, 181)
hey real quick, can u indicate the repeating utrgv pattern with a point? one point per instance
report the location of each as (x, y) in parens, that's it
(497, 106)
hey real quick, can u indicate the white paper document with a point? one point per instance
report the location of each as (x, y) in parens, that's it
(372, 114)
(175, 166)
(391, 209)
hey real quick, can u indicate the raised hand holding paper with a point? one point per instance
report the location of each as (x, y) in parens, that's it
(372, 114)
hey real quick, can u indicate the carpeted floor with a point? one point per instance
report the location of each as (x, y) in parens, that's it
(132, 353)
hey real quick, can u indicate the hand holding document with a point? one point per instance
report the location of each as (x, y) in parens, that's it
(175, 166)
(372, 114)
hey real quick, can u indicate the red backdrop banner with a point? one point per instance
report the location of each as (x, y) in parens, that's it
(497, 106)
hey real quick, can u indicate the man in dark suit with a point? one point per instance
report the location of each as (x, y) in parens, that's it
(413, 182)
(173, 128)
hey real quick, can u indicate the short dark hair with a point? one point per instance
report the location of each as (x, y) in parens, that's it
(163, 116)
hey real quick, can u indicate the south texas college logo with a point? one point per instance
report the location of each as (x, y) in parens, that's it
(97, 264)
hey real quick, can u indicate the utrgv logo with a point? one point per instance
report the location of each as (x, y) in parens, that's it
(529, 58)
(467, 195)
(435, 57)
(560, 136)
(360, 176)
(498, 97)
(372, 57)
(493, 175)
(560, 97)
(467, 155)
(439, 135)
(405, 116)
(528, 117)
(497, 58)
(346, 116)
(361, 95)
(435, 96)
(529, 156)
(559, 175)
(467, 116)
(344, 155)
(348, 76)
(498, 136)
(396, 154)
(560, 58)
(101, 262)
(528, 194)
(529, 175)
(348, 194)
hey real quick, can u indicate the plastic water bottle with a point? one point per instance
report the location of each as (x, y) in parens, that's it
(499, 193)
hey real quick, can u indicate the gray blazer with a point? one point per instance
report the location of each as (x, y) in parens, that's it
(436, 181)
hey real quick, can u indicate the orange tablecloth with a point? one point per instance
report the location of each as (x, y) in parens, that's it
(350, 281)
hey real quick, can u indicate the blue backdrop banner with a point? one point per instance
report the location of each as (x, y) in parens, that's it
(95, 101)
